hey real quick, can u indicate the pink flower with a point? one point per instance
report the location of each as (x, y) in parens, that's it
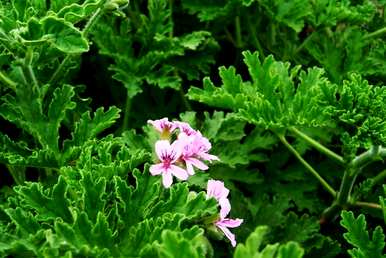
(163, 125)
(217, 190)
(168, 155)
(224, 224)
(195, 147)
(185, 128)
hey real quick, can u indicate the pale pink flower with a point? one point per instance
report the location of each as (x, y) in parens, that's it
(168, 155)
(217, 190)
(224, 224)
(185, 128)
(163, 125)
(195, 148)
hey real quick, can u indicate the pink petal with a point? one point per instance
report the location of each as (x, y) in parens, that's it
(189, 168)
(225, 207)
(156, 169)
(176, 150)
(162, 148)
(230, 223)
(162, 125)
(228, 234)
(207, 156)
(198, 164)
(185, 128)
(216, 189)
(167, 179)
(179, 172)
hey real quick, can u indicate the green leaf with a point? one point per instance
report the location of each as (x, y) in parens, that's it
(358, 236)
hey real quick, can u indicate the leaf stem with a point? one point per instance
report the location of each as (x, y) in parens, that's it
(378, 178)
(7, 81)
(373, 154)
(91, 21)
(349, 177)
(318, 146)
(255, 38)
(307, 165)
(18, 175)
(127, 113)
(375, 33)
(239, 41)
(367, 205)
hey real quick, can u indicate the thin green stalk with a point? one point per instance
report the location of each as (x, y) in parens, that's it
(125, 125)
(7, 81)
(367, 205)
(329, 153)
(379, 178)
(305, 42)
(375, 33)
(91, 21)
(186, 102)
(308, 166)
(255, 38)
(239, 41)
(349, 177)
(373, 154)
(18, 175)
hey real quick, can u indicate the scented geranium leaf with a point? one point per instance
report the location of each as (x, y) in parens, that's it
(210, 10)
(87, 128)
(92, 196)
(382, 201)
(23, 220)
(291, 14)
(162, 56)
(358, 236)
(180, 201)
(253, 247)
(290, 250)
(187, 243)
(271, 100)
(47, 205)
(58, 32)
(74, 12)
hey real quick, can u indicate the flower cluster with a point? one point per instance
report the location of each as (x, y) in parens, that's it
(180, 157)
(217, 190)
(186, 152)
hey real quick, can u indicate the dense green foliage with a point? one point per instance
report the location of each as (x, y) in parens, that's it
(290, 94)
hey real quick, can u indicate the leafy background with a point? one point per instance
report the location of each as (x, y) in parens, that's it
(80, 78)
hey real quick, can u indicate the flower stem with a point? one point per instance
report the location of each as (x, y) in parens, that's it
(349, 177)
(318, 146)
(307, 165)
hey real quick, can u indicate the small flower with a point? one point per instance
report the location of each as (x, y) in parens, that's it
(195, 147)
(224, 224)
(185, 128)
(163, 126)
(168, 155)
(217, 190)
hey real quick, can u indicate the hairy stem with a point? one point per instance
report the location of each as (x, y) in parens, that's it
(329, 153)
(307, 165)
(349, 177)
(373, 154)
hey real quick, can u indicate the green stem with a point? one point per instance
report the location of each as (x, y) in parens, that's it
(18, 175)
(349, 177)
(7, 81)
(255, 38)
(125, 125)
(305, 42)
(378, 178)
(91, 21)
(186, 102)
(373, 154)
(308, 166)
(239, 41)
(367, 205)
(375, 33)
(318, 146)
(59, 70)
